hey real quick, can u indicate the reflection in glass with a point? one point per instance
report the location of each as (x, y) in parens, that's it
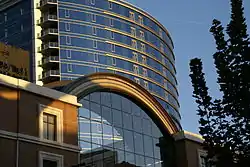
(114, 131)
(84, 126)
(95, 111)
(129, 141)
(138, 138)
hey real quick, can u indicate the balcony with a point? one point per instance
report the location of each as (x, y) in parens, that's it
(48, 20)
(50, 76)
(49, 46)
(49, 62)
(49, 34)
(46, 4)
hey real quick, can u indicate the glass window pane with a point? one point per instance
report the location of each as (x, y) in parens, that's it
(138, 138)
(45, 130)
(135, 109)
(130, 159)
(49, 163)
(106, 99)
(117, 118)
(129, 141)
(51, 132)
(127, 121)
(147, 127)
(85, 146)
(139, 160)
(95, 111)
(84, 126)
(84, 112)
(156, 131)
(107, 135)
(96, 132)
(118, 138)
(45, 117)
(51, 119)
(137, 124)
(85, 104)
(95, 97)
(108, 157)
(116, 101)
(150, 162)
(148, 146)
(106, 115)
(158, 163)
(119, 156)
(157, 152)
(126, 105)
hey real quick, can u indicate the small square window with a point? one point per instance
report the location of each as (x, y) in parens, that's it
(113, 61)
(135, 56)
(5, 17)
(146, 84)
(67, 13)
(112, 35)
(5, 33)
(140, 20)
(69, 68)
(96, 57)
(68, 40)
(132, 15)
(163, 59)
(133, 31)
(144, 60)
(165, 83)
(164, 72)
(134, 44)
(162, 47)
(21, 11)
(142, 36)
(68, 53)
(67, 26)
(93, 17)
(145, 72)
(137, 80)
(110, 5)
(94, 30)
(166, 95)
(143, 49)
(136, 69)
(112, 47)
(92, 2)
(160, 33)
(21, 27)
(111, 22)
(94, 44)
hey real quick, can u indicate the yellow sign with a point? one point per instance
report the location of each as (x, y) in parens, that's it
(14, 62)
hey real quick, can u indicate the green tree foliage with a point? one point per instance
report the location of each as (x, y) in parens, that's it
(225, 122)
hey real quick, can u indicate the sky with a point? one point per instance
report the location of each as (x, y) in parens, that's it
(188, 22)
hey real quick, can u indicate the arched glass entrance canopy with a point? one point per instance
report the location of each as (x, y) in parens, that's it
(121, 124)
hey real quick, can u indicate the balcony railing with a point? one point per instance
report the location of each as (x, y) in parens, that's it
(48, 17)
(45, 2)
(50, 58)
(50, 45)
(51, 73)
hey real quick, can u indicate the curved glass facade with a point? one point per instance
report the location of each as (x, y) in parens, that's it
(72, 38)
(115, 131)
(113, 36)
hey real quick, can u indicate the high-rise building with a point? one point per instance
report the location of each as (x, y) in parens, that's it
(68, 39)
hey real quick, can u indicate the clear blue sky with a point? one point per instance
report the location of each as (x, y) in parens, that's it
(188, 22)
